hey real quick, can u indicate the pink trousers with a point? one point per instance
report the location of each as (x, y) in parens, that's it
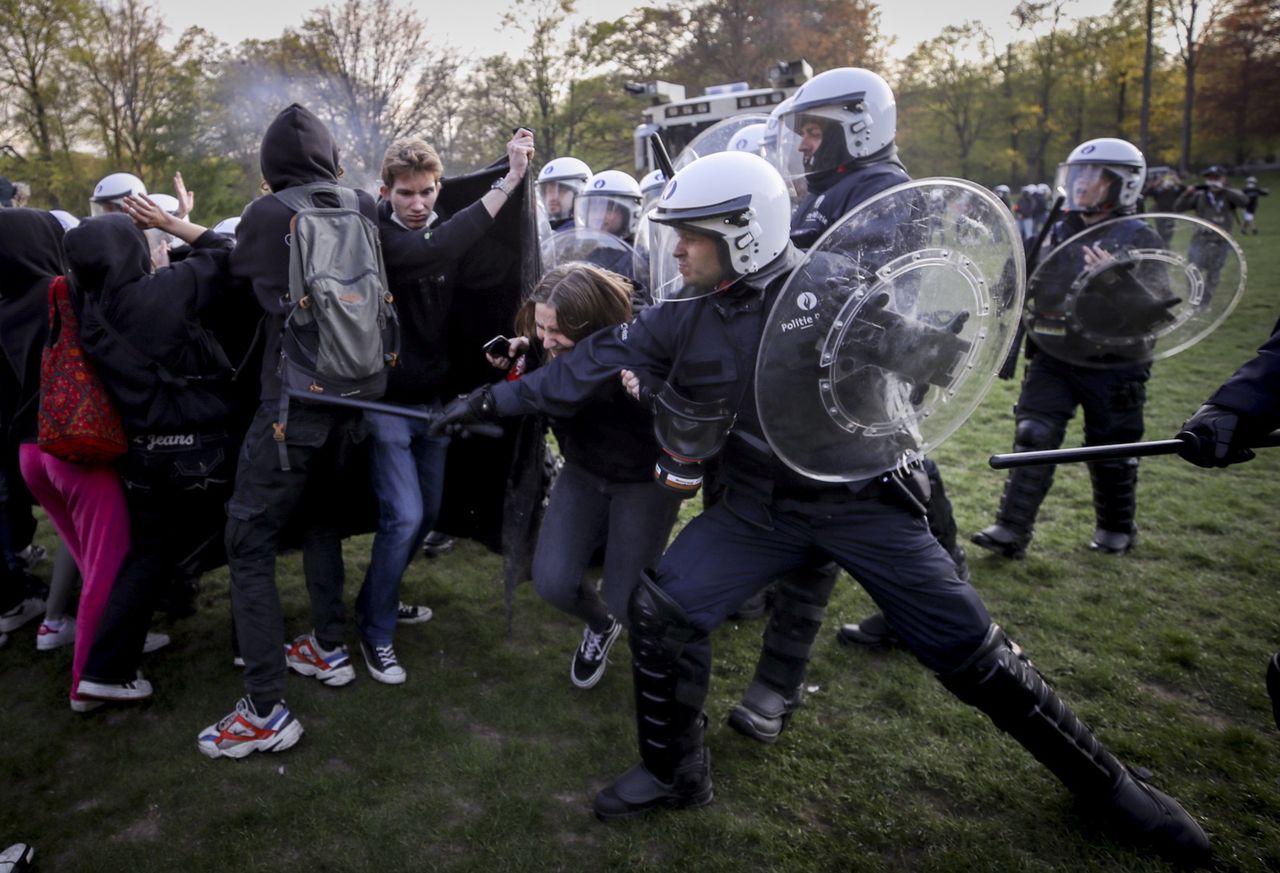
(87, 508)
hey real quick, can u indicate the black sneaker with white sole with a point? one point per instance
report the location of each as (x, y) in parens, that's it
(408, 614)
(592, 655)
(382, 663)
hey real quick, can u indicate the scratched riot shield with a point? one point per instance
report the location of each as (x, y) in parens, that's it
(1132, 290)
(719, 137)
(891, 331)
(595, 247)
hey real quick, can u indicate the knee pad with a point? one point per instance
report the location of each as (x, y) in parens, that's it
(660, 628)
(1035, 434)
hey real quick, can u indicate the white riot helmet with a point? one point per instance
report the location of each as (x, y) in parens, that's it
(559, 183)
(1251, 182)
(650, 187)
(750, 139)
(1043, 189)
(1103, 175)
(109, 192)
(167, 202)
(736, 198)
(66, 219)
(857, 114)
(610, 202)
(227, 227)
(1002, 189)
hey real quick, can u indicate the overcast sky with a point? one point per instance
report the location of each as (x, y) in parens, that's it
(472, 26)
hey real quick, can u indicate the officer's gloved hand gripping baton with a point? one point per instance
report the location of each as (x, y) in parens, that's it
(477, 428)
(1185, 444)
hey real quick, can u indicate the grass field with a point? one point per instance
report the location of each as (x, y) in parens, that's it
(487, 759)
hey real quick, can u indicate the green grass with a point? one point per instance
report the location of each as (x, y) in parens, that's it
(488, 758)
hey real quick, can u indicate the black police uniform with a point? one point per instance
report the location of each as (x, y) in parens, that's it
(1112, 398)
(772, 520)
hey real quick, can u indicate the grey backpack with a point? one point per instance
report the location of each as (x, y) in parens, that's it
(340, 332)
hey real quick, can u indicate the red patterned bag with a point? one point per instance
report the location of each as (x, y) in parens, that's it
(78, 421)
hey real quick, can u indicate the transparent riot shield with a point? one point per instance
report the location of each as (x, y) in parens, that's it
(1134, 289)
(891, 331)
(716, 138)
(595, 247)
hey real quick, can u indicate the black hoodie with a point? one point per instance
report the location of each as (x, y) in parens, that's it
(30, 256)
(296, 150)
(160, 366)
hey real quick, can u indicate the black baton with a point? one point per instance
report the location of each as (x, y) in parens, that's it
(1107, 453)
(485, 430)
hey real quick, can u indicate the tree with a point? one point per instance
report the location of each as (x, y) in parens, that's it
(1044, 53)
(377, 76)
(1183, 15)
(34, 35)
(1240, 76)
(940, 78)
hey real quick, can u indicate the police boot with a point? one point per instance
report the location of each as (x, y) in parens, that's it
(1273, 686)
(999, 680)
(671, 667)
(874, 632)
(1115, 504)
(1024, 491)
(778, 687)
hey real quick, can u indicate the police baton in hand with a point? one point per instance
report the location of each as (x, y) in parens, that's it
(1111, 452)
(479, 429)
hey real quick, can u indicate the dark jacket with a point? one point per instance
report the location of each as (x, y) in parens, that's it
(297, 149)
(1216, 206)
(30, 256)
(422, 270)
(610, 436)
(707, 348)
(819, 210)
(142, 330)
(1254, 389)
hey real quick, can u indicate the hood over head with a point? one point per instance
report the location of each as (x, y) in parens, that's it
(297, 149)
(106, 253)
(30, 250)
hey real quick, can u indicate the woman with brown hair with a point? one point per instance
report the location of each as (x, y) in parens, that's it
(605, 495)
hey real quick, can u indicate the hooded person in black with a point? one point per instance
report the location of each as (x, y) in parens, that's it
(296, 150)
(171, 384)
(30, 256)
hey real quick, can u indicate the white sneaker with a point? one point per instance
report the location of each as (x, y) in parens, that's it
(55, 635)
(24, 612)
(592, 656)
(155, 641)
(332, 668)
(84, 705)
(138, 689)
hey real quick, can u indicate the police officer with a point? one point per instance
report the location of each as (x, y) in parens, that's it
(843, 123)
(1103, 179)
(731, 212)
(1246, 407)
(559, 184)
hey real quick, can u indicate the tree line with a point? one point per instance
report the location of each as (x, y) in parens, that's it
(90, 86)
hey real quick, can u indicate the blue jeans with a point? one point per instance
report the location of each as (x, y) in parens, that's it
(631, 519)
(406, 469)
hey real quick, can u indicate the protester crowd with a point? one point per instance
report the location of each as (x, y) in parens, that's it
(211, 437)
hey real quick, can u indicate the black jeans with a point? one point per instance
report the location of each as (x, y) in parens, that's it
(175, 488)
(264, 501)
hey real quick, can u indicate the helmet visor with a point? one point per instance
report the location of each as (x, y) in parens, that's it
(557, 198)
(1090, 188)
(809, 143)
(606, 213)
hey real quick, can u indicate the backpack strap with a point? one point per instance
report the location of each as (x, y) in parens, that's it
(300, 197)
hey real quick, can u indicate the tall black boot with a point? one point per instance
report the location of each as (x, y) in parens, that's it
(999, 680)
(1024, 491)
(778, 687)
(671, 666)
(1115, 504)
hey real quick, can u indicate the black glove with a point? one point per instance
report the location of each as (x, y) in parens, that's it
(1214, 437)
(464, 414)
